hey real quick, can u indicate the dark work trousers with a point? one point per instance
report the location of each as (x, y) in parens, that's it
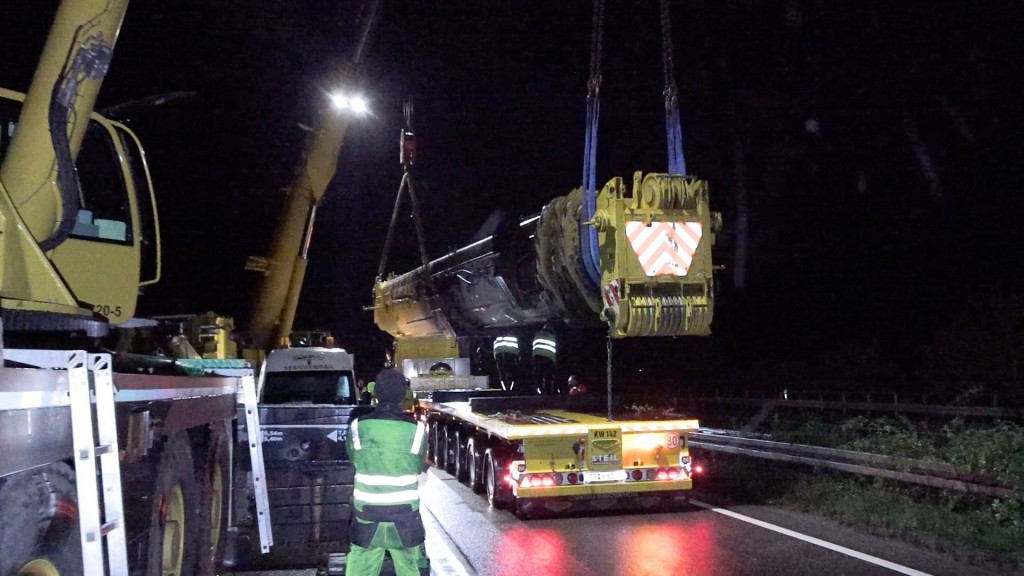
(507, 370)
(544, 375)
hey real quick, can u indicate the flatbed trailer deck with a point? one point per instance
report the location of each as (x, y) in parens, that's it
(533, 454)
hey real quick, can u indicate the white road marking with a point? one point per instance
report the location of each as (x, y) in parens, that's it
(445, 559)
(810, 539)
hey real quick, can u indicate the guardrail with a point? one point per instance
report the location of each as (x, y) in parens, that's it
(928, 473)
(868, 402)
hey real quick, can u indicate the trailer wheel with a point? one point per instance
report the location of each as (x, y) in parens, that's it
(213, 475)
(432, 441)
(39, 533)
(451, 449)
(473, 469)
(174, 533)
(461, 463)
(440, 446)
(497, 494)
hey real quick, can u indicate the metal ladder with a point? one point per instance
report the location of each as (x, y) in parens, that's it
(82, 368)
(246, 396)
(252, 427)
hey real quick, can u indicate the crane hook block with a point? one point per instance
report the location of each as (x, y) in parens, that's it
(407, 147)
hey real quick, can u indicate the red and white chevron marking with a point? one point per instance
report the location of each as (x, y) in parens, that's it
(665, 247)
(612, 295)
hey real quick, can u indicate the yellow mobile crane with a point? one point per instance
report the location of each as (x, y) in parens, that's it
(176, 484)
(78, 237)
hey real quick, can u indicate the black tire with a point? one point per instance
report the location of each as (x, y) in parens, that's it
(174, 529)
(39, 533)
(461, 473)
(451, 449)
(213, 475)
(498, 495)
(432, 441)
(441, 446)
(474, 470)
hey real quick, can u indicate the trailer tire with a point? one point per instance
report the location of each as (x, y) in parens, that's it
(440, 446)
(39, 533)
(461, 471)
(432, 441)
(473, 468)
(213, 474)
(451, 449)
(497, 495)
(174, 533)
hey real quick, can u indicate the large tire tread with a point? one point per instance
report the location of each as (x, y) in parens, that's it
(40, 520)
(175, 468)
(214, 455)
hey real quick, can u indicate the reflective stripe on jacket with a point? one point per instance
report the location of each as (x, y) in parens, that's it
(388, 450)
(544, 344)
(506, 345)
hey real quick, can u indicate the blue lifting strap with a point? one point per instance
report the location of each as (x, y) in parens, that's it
(588, 234)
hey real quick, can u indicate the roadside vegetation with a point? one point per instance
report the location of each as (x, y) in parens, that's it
(970, 527)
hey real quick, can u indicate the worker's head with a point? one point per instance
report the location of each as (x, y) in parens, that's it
(391, 386)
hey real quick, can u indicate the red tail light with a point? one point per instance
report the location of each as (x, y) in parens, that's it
(698, 469)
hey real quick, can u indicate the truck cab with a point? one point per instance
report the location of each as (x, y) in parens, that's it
(307, 398)
(307, 375)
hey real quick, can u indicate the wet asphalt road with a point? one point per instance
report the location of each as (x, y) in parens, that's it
(465, 537)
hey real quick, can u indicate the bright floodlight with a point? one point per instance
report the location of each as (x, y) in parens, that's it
(340, 101)
(353, 103)
(358, 105)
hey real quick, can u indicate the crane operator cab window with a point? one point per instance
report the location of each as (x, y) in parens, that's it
(106, 185)
(104, 212)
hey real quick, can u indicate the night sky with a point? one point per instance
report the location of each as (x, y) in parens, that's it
(881, 159)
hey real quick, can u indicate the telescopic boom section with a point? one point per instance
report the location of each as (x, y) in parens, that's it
(273, 311)
(656, 270)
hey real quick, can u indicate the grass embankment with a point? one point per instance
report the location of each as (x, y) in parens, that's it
(968, 526)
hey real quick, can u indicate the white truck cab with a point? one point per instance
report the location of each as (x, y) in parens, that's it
(307, 375)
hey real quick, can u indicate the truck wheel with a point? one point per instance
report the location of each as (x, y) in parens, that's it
(474, 478)
(174, 532)
(440, 446)
(432, 441)
(39, 532)
(497, 493)
(451, 450)
(212, 475)
(461, 458)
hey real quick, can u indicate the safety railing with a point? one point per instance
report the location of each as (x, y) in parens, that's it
(924, 472)
(892, 402)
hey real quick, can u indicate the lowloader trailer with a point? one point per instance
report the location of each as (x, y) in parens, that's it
(538, 455)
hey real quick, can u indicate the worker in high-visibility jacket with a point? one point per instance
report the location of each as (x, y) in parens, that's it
(506, 356)
(388, 449)
(545, 352)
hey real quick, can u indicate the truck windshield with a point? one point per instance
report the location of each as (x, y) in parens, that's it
(313, 386)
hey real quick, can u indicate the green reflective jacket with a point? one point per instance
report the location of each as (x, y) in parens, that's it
(388, 449)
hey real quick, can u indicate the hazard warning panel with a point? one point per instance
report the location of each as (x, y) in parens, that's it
(665, 247)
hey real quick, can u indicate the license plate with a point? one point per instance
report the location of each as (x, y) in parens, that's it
(611, 476)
